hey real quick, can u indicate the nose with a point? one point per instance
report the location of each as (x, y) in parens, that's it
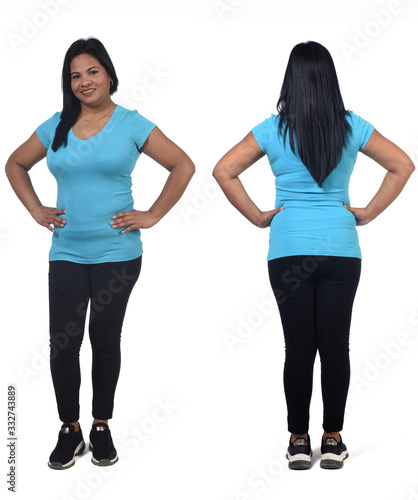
(85, 81)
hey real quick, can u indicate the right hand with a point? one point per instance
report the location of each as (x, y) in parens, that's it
(266, 217)
(360, 214)
(45, 216)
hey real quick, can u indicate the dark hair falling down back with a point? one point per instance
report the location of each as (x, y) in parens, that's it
(71, 105)
(311, 109)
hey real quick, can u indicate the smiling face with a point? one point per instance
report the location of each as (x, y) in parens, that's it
(90, 82)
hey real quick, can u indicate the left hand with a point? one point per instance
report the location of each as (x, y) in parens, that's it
(135, 219)
(266, 217)
(360, 215)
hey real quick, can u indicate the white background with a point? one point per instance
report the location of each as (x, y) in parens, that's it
(204, 274)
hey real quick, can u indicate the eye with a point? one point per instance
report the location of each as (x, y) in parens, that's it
(74, 77)
(93, 71)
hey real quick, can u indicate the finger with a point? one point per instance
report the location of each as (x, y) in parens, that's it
(49, 227)
(271, 213)
(275, 212)
(60, 211)
(123, 221)
(128, 229)
(118, 220)
(117, 225)
(120, 214)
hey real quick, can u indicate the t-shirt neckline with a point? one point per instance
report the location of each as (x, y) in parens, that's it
(100, 131)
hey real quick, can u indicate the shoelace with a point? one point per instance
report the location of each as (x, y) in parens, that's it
(102, 438)
(65, 441)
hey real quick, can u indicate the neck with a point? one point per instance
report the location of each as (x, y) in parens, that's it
(92, 112)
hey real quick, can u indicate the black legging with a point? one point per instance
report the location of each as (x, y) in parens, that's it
(71, 286)
(315, 295)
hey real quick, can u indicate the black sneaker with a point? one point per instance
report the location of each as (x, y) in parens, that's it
(333, 453)
(70, 443)
(101, 445)
(299, 454)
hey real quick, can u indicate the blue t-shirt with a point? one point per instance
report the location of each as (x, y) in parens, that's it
(313, 220)
(94, 183)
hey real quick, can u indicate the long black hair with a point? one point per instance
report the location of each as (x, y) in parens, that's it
(311, 109)
(71, 105)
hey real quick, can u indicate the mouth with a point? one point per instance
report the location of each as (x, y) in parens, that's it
(88, 91)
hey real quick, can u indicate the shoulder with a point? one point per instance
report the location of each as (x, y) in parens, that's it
(356, 120)
(46, 130)
(268, 124)
(132, 116)
(54, 119)
(352, 117)
(50, 124)
(123, 111)
(272, 121)
(56, 116)
(137, 125)
(263, 130)
(361, 129)
(131, 113)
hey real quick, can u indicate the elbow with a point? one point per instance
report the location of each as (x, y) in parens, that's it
(184, 168)
(408, 169)
(190, 169)
(403, 167)
(215, 173)
(222, 177)
(219, 174)
(411, 168)
(9, 167)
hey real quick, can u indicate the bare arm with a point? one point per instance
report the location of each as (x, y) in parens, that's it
(399, 167)
(226, 173)
(181, 168)
(17, 170)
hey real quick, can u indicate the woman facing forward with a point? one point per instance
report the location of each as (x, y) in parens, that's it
(314, 257)
(91, 148)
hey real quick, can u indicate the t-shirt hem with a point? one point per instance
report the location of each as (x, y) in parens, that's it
(95, 261)
(44, 142)
(278, 255)
(367, 138)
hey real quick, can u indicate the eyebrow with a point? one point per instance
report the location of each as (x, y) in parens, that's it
(87, 70)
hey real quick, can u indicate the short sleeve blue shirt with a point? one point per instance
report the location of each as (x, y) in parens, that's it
(313, 220)
(94, 183)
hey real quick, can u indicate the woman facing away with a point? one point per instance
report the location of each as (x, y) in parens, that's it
(91, 148)
(314, 257)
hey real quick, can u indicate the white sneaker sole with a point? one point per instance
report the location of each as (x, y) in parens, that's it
(299, 461)
(104, 461)
(333, 461)
(58, 466)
